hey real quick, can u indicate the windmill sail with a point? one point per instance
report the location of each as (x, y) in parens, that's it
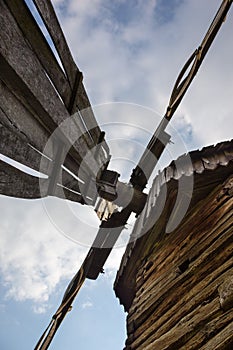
(37, 95)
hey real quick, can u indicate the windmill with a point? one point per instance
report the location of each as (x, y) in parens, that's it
(36, 119)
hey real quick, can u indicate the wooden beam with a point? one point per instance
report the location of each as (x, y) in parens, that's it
(29, 80)
(81, 101)
(40, 46)
(20, 120)
(16, 183)
(16, 114)
(17, 137)
(46, 10)
(16, 147)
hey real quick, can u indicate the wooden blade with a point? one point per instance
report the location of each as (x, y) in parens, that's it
(159, 140)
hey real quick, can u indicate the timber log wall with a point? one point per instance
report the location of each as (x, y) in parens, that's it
(178, 287)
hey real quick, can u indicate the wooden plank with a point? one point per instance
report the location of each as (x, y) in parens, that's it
(177, 336)
(16, 115)
(43, 111)
(40, 46)
(20, 126)
(17, 148)
(79, 148)
(49, 17)
(176, 242)
(84, 107)
(214, 327)
(222, 341)
(23, 129)
(170, 255)
(46, 57)
(158, 304)
(192, 299)
(31, 80)
(81, 101)
(16, 183)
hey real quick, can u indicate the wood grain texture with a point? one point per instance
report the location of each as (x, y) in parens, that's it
(177, 298)
(18, 184)
(32, 79)
(178, 286)
(80, 101)
(160, 203)
(40, 46)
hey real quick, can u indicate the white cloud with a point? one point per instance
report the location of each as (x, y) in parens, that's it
(87, 304)
(34, 256)
(138, 61)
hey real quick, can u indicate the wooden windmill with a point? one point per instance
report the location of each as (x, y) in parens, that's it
(47, 124)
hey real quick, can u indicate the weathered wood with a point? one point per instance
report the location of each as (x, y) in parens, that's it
(16, 147)
(40, 46)
(19, 117)
(16, 183)
(168, 301)
(44, 53)
(80, 101)
(21, 125)
(188, 300)
(191, 251)
(183, 294)
(222, 341)
(173, 255)
(183, 331)
(142, 239)
(31, 81)
(49, 17)
(207, 332)
(71, 133)
(30, 105)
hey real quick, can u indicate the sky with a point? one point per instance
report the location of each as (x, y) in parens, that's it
(130, 53)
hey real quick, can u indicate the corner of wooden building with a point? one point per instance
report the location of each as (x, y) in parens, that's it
(177, 286)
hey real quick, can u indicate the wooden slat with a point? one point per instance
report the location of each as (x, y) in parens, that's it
(21, 130)
(15, 183)
(221, 341)
(30, 79)
(17, 148)
(40, 46)
(79, 148)
(49, 17)
(81, 101)
(179, 307)
(41, 83)
(24, 122)
(206, 242)
(44, 53)
(31, 107)
(218, 324)
(16, 116)
(21, 127)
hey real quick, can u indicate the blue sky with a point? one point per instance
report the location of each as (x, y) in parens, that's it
(130, 53)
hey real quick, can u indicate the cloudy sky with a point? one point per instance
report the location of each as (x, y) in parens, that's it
(130, 53)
